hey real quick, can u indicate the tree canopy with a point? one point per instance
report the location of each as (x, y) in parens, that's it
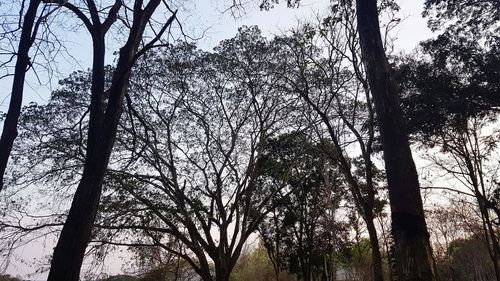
(290, 157)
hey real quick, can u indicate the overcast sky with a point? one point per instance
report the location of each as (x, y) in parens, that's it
(207, 20)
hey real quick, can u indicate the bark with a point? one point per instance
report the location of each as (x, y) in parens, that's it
(206, 277)
(489, 233)
(412, 251)
(9, 132)
(494, 243)
(377, 269)
(222, 271)
(70, 249)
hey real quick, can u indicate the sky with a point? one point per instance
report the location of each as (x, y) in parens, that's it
(208, 22)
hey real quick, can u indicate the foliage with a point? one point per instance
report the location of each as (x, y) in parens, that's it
(450, 98)
(276, 136)
(269, 4)
(7, 277)
(302, 233)
(328, 74)
(467, 16)
(186, 154)
(255, 265)
(152, 263)
(452, 80)
(193, 147)
(356, 260)
(470, 260)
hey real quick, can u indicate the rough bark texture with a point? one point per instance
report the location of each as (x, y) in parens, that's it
(9, 132)
(76, 233)
(412, 251)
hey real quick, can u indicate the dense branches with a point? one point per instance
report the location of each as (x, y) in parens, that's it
(278, 136)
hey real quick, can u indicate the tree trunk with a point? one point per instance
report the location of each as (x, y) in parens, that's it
(70, 248)
(412, 251)
(222, 270)
(491, 240)
(76, 233)
(9, 132)
(222, 278)
(377, 269)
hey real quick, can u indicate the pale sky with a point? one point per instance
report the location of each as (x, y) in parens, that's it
(204, 19)
(207, 21)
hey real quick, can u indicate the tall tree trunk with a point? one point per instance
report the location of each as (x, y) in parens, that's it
(70, 249)
(75, 235)
(9, 132)
(491, 239)
(222, 278)
(377, 269)
(412, 251)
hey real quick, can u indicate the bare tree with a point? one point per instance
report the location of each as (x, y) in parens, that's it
(104, 114)
(30, 21)
(330, 78)
(446, 225)
(193, 154)
(467, 158)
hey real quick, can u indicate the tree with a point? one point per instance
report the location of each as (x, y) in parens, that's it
(467, 147)
(151, 264)
(452, 79)
(469, 260)
(301, 234)
(458, 120)
(104, 114)
(356, 260)
(446, 226)
(473, 17)
(9, 131)
(174, 138)
(191, 153)
(412, 251)
(327, 73)
(255, 265)
(32, 20)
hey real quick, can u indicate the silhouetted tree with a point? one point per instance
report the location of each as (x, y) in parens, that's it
(104, 114)
(301, 234)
